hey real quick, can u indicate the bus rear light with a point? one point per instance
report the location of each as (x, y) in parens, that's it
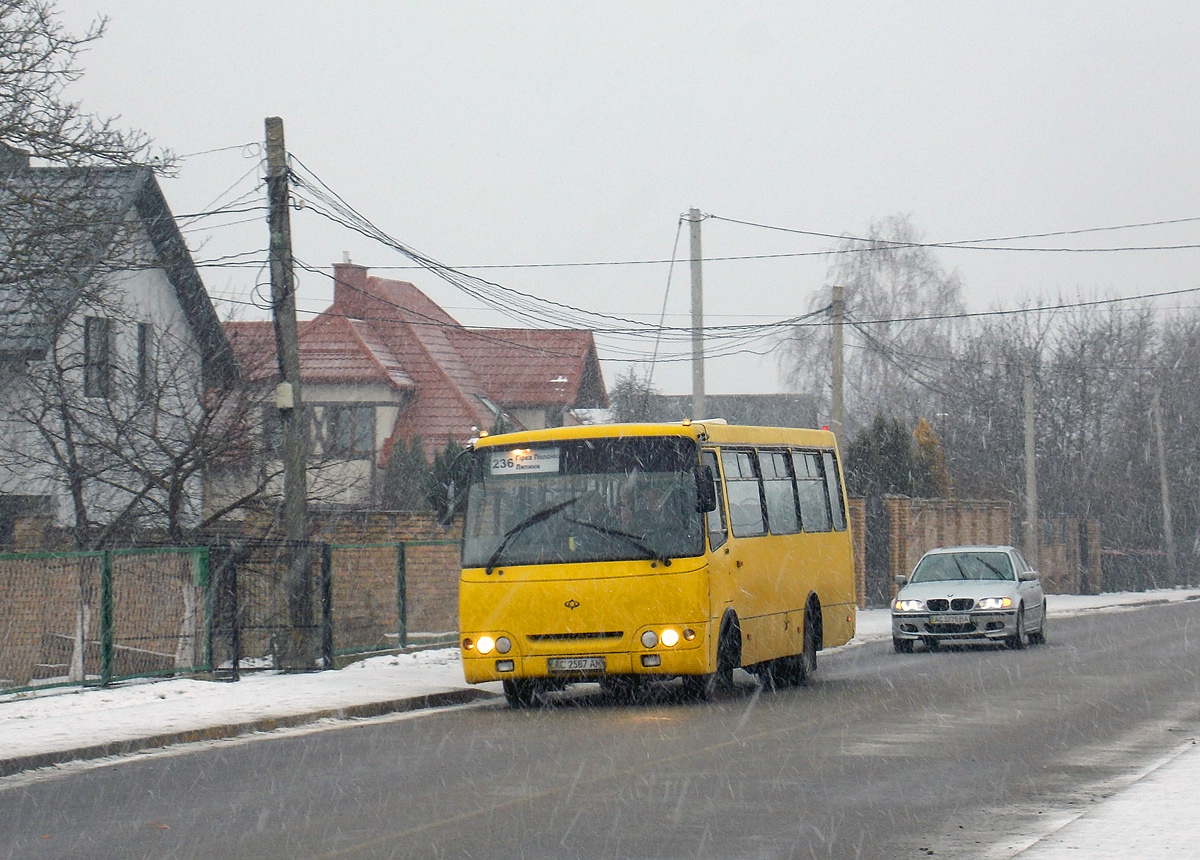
(503, 645)
(649, 639)
(486, 644)
(651, 660)
(504, 665)
(670, 637)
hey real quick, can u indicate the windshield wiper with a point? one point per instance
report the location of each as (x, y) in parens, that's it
(632, 540)
(532, 519)
(992, 568)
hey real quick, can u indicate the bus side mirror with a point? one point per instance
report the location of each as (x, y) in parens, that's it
(706, 490)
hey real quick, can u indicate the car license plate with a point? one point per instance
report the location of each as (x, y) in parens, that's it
(576, 664)
(950, 619)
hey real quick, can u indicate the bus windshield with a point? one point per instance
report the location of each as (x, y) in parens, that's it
(584, 500)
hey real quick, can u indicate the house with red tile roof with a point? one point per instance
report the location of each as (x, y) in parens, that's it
(385, 363)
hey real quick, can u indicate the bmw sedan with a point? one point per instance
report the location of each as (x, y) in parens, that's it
(969, 593)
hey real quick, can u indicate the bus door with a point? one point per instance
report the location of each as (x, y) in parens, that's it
(721, 581)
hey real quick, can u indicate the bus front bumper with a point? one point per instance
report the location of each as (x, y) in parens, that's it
(569, 667)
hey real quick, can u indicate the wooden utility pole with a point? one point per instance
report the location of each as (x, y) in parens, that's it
(1031, 495)
(1168, 531)
(698, 407)
(294, 443)
(838, 408)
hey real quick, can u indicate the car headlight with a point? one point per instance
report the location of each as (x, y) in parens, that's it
(909, 606)
(995, 603)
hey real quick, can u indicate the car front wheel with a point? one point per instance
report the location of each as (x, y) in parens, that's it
(903, 646)
(1039, 638)
(1019, 639)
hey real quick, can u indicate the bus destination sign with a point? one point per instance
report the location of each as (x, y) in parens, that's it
(520, 461)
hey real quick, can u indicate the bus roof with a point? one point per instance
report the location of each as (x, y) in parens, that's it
(704, 431)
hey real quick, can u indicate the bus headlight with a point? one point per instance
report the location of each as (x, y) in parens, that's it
(485, 644)
(670, 637)
(649, 639)
(503, 645)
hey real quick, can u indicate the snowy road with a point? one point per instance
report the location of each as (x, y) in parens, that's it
(961, 753)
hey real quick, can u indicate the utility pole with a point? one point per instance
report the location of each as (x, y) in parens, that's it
(838, 408)
(1031, 499)
(294, 443)
(1168, 531)
(698, 407)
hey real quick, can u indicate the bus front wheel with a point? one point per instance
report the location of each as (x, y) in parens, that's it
(729, 656)
(520, 692)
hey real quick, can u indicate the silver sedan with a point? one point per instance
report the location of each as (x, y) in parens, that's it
(964, 593)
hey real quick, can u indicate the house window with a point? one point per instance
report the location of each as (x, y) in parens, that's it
(272, 426)
(97, 357)
(350, 430)
(145, 361)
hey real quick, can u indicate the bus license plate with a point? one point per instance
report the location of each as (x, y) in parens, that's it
(950, 619)
(576, 664)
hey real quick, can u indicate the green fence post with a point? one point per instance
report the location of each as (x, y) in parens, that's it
(402, 595)
(106, 619)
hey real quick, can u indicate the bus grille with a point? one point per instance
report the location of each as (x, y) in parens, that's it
(573, 637)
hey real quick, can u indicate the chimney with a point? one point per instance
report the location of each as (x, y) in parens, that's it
(349, 284)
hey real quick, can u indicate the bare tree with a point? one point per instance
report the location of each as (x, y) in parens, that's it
(38, 60)
(898, 300)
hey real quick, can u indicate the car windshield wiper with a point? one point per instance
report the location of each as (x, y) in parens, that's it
(991, 567)
(961, 573)
(632, 540)
(532, 519)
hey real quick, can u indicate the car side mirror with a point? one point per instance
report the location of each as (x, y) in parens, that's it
(900, 579)
(1029, 576)
(706, 490)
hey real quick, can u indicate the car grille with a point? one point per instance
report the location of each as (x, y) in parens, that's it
(958, 604)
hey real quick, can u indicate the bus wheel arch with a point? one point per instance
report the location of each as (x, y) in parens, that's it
(728, 657)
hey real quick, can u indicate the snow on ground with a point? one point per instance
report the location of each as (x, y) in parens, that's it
(69, 718)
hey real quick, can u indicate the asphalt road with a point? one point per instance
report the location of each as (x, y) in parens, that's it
(887, 756)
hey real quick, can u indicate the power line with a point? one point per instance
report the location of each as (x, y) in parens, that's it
(984, 244)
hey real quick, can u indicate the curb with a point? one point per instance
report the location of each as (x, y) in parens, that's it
(11, 766)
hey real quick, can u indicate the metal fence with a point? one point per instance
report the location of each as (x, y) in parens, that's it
(100, 617)
(97, 617)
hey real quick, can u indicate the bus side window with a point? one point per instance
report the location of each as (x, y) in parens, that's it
(745, 494)
(811, 488)
(715, 520)
(836, 503)
(780, 492)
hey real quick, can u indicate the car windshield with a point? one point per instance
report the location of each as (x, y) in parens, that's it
(943, 566)
(583, 500)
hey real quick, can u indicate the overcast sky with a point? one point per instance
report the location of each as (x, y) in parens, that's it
(517, 133)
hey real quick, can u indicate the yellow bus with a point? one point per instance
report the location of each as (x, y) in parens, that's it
(626, 552)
